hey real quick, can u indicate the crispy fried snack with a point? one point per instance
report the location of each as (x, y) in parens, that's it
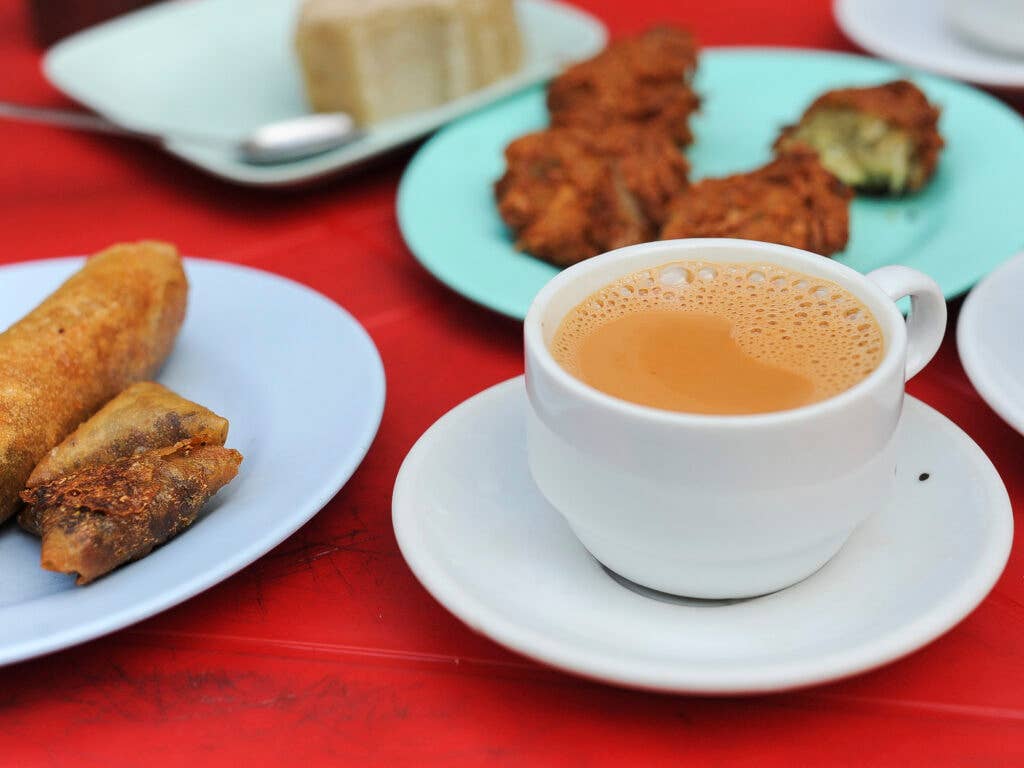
(792, 201)
(880, 139)
(112, 323)
(570, 193)
(641, 80)
(106, 515)
(143, 417)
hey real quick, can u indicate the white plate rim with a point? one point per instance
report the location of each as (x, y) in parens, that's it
(970, 346)
(850, 24)
(695, 679)
(258, 545)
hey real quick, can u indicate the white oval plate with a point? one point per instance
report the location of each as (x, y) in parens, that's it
(915, 33)
(226, 67)
(303, 387)
(988, 338)
(482, 540)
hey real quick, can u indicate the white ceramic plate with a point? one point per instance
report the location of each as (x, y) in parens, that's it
(915, 33)
(303, 387)
(226, 67)
(482, 540)
(988, 337)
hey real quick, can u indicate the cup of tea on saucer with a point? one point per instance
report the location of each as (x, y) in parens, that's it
(715, 417)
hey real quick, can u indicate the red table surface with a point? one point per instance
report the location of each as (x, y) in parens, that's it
(327, 650)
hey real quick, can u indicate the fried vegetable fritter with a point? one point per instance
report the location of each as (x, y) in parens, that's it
(640, 80)
(792, 201)
(571, 193)
(880, 139)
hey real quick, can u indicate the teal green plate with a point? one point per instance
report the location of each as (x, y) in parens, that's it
(969, 219)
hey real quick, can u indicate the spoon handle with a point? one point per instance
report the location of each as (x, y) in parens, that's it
(85, 121)
(66, 118)
(278, 142)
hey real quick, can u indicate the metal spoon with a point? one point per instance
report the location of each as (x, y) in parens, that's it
(278, 142)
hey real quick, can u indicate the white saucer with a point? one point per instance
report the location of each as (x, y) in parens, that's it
(915, 32)
(988, 338)
(481, 539)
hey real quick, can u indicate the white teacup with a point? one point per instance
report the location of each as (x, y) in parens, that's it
(721, 506)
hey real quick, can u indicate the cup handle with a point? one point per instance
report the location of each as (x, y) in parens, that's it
(926, 324)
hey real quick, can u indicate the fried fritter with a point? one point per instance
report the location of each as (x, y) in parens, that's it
(641, 80)
(879, 139)
(105, 515)
(792, 201)
(570, 193)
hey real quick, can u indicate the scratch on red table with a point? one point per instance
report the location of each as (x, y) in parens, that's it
(303, 649)
(236, 644)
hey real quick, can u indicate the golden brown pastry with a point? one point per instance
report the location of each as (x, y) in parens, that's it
(571, 193)
(879, 139)
(143, 417)
(641, 80)
(105, 515)
(112, 323)
(792, 201)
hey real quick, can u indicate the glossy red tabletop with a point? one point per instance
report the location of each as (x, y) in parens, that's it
(327, 651)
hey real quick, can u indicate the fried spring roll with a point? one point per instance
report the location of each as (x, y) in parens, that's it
(111, 324)
(144, 417)
(106, 515)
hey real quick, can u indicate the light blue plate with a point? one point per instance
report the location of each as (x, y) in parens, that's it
(226, 67)
(968, 220)
(269, 354)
